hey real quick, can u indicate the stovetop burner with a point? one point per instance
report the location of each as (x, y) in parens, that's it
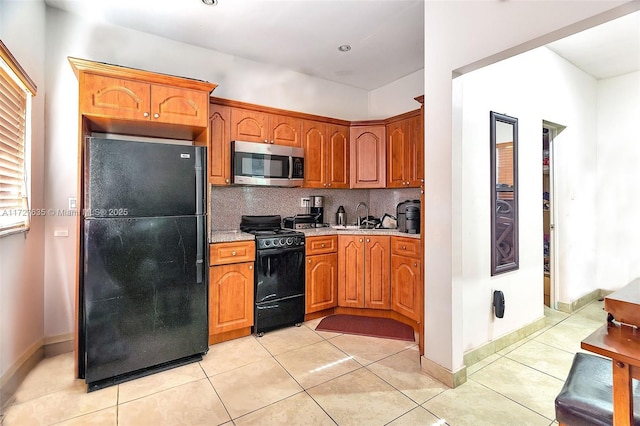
(269, 234)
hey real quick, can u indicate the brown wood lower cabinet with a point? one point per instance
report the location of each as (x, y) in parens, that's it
(321, 273)
(231, 282)
(406, 277)
(364, 271)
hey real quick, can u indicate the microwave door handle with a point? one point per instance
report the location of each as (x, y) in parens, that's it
(290, 167)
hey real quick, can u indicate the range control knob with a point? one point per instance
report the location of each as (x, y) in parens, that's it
(281, 241)
(289, 241)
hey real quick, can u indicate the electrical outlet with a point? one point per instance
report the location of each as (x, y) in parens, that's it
(304, 201)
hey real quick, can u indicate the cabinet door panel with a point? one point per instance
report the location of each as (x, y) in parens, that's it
(114, 97)
(315, 154)
(377, 275)
(351, 271)
(397, 150)
(230, 297)
(179, 106)
(321, 282)
(219, 145)
(417, 152)
(338, 157)
(405, 281)
(284, 131)
(368, 157)
(250, 126)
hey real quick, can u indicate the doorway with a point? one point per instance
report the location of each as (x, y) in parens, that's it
(547, 224)
(550, 282)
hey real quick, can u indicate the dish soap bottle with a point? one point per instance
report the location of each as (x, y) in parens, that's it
(341, 216)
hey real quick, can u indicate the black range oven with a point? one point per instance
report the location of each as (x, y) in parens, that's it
(279, 273)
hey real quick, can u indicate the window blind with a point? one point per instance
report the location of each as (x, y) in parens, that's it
(14, 107)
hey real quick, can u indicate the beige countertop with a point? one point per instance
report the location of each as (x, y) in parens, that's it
(233, 235)
(355, 231)
(229, 236)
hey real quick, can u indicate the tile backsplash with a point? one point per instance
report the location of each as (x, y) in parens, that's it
(229, 203)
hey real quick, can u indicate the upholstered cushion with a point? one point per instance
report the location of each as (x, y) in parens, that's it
(586, 397)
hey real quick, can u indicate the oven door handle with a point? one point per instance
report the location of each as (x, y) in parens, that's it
(278, 250)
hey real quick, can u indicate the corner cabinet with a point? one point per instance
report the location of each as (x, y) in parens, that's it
(321, 273)
(129, 101)
(326, 151)
(406, 277)
(231, 286)
(368, 156)
(364, 271)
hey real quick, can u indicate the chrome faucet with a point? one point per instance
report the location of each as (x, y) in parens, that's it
(366, 218)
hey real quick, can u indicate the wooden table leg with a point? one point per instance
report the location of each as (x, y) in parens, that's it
(622, 394)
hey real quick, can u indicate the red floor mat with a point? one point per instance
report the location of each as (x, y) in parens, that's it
(366, 326)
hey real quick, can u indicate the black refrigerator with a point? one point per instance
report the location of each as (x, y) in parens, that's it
(143, 285)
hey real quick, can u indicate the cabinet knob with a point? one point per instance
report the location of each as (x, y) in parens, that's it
(273, 142)
(250, 267)
(360, 239)
(233, 253)
(266, 141)
(329, 185)
(368, 240)
(309, 261)
(322, 245)
(325, 185)
(156, 115)
(146, 114)
(404, 247)
(415, 265)
(226, 181)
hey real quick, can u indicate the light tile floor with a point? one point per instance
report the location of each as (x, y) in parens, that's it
(297, 376)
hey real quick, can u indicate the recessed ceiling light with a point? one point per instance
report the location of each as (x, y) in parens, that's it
(210, 2)
(343, 48)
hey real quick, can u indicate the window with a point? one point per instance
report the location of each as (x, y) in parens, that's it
(16, 90)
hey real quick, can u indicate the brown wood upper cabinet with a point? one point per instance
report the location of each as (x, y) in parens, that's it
(124, 100)
(219, 144)
(404, 153)
(257, 126)
(368, 156)
(135, 100)
(326, 151)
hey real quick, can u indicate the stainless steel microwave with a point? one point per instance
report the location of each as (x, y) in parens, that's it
(264, 164)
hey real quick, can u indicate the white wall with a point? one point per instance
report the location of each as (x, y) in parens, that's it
(534, 86)
(618, 181)
(457, 35)
(237, 78)
(21, 255)
(396, 97)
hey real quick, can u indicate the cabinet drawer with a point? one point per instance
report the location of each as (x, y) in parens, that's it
(321, 245)
(236, 252)
(405, 246)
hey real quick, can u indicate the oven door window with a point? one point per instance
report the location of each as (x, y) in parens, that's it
(279, 274)
(261, 165)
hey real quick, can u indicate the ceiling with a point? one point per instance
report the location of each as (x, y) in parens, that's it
(386, 36)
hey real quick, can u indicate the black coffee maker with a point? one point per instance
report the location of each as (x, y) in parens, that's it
(408, 214)
(316, 208)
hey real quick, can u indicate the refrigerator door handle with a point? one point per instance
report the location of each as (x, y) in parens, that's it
(199, 181)
(200, 224)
